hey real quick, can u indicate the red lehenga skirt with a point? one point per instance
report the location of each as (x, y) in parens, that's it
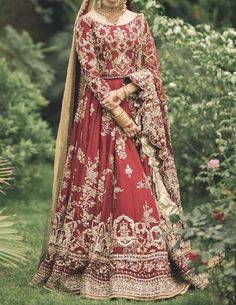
(106, 240)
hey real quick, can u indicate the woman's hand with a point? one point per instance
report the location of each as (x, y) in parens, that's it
(113, 98)
(132, 129)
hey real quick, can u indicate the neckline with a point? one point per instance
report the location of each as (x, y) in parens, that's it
(113, 25)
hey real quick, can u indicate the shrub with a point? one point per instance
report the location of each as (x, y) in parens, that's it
(12, 248)
(24, 55)
(25, 138)
(198, 67)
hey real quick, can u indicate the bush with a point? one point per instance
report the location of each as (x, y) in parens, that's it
(24, 55)
(25, 138)
(198, 67)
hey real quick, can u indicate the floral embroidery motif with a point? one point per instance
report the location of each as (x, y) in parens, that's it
(144, 183)
(84, 43)
(101, 184)
(128, 170)
(91, 109)
(122, 53)
(80, 155)
(120, 148)
(79, 115)
(67, 169)
(107, 123)
(87, 199)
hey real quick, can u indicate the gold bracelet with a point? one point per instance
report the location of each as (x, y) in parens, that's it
(120, 116)
(117, 111)
(122, 119)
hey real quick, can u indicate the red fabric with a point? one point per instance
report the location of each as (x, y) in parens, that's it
(107, 233)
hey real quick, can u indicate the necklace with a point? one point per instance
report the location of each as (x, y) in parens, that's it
(112, 14)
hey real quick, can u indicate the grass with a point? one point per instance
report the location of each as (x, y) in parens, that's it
(31, 210)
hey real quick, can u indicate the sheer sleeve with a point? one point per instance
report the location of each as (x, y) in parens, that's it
(148, 78)
(84, 44)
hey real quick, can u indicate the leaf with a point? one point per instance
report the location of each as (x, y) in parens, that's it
(219, 246)
(174, 218)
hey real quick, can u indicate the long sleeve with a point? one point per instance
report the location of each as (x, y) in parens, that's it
(148, 77)
(84, 44)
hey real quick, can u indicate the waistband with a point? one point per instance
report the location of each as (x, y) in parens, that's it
(113, 76)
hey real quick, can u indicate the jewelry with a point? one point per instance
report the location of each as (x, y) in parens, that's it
(112, 14)
(99, 3)
(121, 117)
(117, 111)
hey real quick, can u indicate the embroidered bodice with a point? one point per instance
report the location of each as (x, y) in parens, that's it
(113, 50)
(116, 46)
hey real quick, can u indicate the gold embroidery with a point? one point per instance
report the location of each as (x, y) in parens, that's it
(91, 109)
(128, 170)
(117, 189)
(144, 183)
(79, 115)
(166, 206)
(101, 184)
(80, 155)
(120, 148)
(107, 124)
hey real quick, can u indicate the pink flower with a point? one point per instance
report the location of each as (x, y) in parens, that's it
(218, 215)
(214, 163)
(193, 255)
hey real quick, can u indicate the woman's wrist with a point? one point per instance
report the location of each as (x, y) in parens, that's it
(121, 93)
(124, 92)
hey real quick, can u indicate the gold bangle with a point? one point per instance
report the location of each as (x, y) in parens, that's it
(123, 118)
(117, 111)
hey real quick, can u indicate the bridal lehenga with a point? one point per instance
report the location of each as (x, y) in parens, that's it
(110, 234)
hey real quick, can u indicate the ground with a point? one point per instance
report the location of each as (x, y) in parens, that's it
(31, 209)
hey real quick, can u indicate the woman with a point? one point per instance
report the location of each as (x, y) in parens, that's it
(115, 182)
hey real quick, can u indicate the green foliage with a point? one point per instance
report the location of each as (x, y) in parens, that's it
(24, 55)
(48, 9)
(44, 12)
(212, 225)
(198, 71)
(6, 172)
(218, 13)
(61, 44)
(197, 65)
(25, 138)
(198, 68)
(12, 248)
